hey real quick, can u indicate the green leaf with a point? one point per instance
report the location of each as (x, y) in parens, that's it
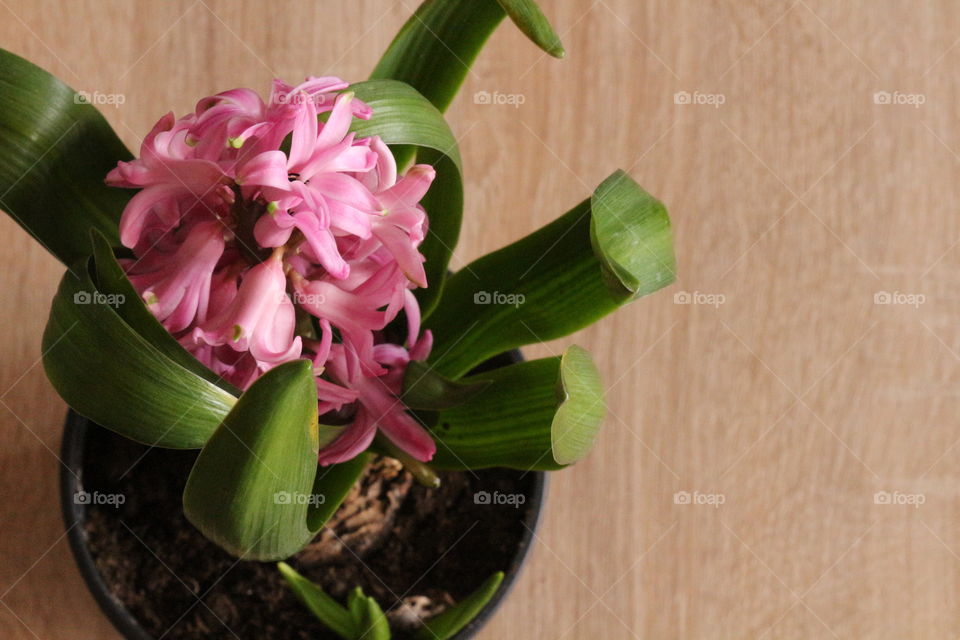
(250, 488)
(401, 116)
(326, 609)
(111, 279)
(435, 49)
(361, 619)
(424, 388)
(111, 374)
(581, 411)
(531, 21)
(356, 604)
(56, 153)
(630, 234)
(540, 414)
(333, 482)
(603, 253)
(448, 623)
(373, 623)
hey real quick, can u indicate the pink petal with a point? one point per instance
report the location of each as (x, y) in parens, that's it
(304, 135)
(352, 442)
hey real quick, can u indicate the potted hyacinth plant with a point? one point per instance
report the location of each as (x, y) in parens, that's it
(288, 418)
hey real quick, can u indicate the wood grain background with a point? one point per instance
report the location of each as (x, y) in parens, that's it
(783, 390)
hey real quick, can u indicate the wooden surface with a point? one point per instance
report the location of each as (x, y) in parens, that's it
(793, 400)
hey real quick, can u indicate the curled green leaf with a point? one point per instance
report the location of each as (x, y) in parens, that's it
(580, 413)
(601, 254)
(106, 371)
(540, 414)
(112, 281)
(631, 236)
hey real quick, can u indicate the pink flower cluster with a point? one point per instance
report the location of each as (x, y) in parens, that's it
(266, 232)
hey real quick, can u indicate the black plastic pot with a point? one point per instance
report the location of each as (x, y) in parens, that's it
(78, 429)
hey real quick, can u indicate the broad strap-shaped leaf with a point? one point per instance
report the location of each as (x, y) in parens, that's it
(57, 150)
(605, 252)
(435, 49)
(111, 374)
(445, 625)
(111, 280)
(331, 613)
(250, 489)
(424, 388)
(401, 116)
(541, 414)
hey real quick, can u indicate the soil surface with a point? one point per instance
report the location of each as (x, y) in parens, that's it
(416, 550)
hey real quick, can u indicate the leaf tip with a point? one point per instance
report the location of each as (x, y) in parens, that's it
(582, 407)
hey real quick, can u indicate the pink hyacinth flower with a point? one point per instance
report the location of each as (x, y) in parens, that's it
(379, 408)
(171, 178)
(260, 318)
(245, 202)
(180, 289)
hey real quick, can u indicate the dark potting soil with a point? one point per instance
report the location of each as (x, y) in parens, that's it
(410, 547)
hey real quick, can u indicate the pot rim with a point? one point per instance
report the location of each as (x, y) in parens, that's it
(74, 516)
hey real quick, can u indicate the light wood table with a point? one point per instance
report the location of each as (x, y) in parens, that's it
(784, 390)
